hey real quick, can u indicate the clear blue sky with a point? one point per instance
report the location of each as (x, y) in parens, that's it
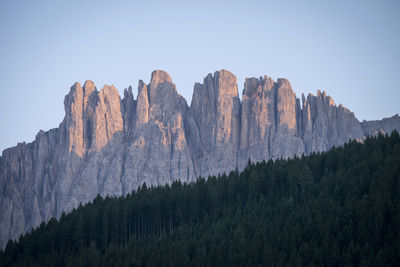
(351, 49)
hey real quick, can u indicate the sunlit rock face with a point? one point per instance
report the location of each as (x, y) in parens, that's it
(109, 146)
(92, 117)
(215, 109)
(157, 151)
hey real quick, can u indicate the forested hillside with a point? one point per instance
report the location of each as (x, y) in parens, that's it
(340, 207)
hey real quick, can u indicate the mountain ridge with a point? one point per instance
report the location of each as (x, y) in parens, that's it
(334, 208)
(109, 146)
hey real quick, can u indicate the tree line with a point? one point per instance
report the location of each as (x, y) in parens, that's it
(335, 208)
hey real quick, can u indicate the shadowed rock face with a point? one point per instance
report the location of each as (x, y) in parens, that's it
(325, 125)
(269, 121)
(110, 146)
(385, 126)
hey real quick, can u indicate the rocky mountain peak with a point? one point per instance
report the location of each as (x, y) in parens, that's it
(89, 87)
(286, 105)
(128, 91)
(257, 87)
(128, 109)
(109, 146)
(160, 99)
(160, 80)
(226, 83)
(109, 92)
(74, 106)
(107, 117)
(91, 117)
(160, 76)
(215, 109)
(161, 86)
(252, 86)
(282, 82)
(385, 126)
(142, 109)
(141, 85)
(75, 87)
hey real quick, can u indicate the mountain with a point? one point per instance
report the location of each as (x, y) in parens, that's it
(335, 208)
(110, 146)
(385, 126)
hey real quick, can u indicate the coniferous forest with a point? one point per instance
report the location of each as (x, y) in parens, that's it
(336, 208)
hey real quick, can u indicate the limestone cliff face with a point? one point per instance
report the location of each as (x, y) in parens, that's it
(157, 151)
(79, 111)
(286, 142)
(128, 109)
(28, 177)
(270, 126)
(325, 125)
(92, 117)
(109, 146)
(257, 120)
(107, 117)
(385, 126)
(215, 109)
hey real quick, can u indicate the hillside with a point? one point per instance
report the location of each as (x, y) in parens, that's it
(340, 207)
(110, 145)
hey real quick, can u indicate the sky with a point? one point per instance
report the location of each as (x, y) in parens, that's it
(350, 49)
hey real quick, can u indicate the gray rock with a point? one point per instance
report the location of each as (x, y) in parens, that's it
(215, 109)
(325, 125)
(110, 146)
(157, 152)
(384, 126)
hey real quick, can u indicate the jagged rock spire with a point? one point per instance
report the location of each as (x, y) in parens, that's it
(91, 117)
(110, 146)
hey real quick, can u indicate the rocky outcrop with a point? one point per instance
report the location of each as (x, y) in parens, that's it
(157, 151)
(215, 109)
(270, 122)
(92, 117)
(28, 175)
(128, 109)
(110, 146)
(384, 126)
(325, 125)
